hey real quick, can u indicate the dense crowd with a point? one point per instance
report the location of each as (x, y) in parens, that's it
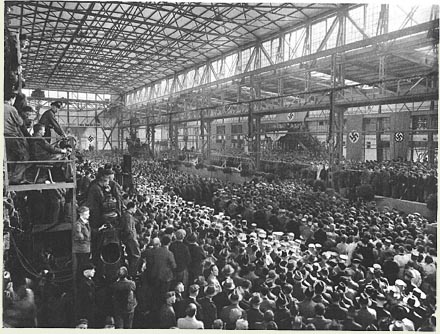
(413, 181)
(200, 253)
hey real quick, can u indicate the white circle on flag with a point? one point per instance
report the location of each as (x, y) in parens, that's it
(399, 136)
(353, 136)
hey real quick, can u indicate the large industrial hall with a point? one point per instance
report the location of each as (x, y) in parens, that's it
(224, 166)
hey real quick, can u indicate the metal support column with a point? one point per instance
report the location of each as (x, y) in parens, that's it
(96, 129)
(202, 135)
(153, 132)
(257, 142)
(208, 126)
(430, 125)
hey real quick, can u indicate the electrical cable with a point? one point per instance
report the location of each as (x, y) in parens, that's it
(32, 271)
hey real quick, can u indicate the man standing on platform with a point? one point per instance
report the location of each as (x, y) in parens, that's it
(16, 144)
(129, 238)
(95, 202)
(81, 239)
(49, 121)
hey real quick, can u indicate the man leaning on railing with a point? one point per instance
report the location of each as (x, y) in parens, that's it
(40, 149)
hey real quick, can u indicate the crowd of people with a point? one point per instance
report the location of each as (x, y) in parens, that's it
(201, 253)
(412, 181)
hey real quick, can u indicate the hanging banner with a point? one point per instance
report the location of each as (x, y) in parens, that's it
(399, 137)
(353, 136)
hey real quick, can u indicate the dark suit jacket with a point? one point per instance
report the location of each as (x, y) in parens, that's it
(163, 264)
(95, 199)
(40, 149)
(86, 299)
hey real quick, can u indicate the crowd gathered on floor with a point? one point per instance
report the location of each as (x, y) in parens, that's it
(202, 253)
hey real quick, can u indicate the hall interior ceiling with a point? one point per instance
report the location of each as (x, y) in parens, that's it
(114, 47)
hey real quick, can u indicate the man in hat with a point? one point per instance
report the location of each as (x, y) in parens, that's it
(208, 308)
(86, 294)
(167, 314)
(231, 313)
(50, 122)
(129, 238)
(254, 314)
(124, 299)
(222, 298)
(82, 324)
(335, 311)
(366, 315)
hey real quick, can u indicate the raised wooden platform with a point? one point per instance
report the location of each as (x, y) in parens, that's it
(40, 186)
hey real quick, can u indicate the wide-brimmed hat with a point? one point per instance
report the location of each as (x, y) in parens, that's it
(228, 270)
(256, 299)
(228, 284)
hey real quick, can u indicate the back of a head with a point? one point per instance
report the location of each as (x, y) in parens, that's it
(166, 240)
(217, 324)
(191, 310)
(319, 309)
(122, 272)
(269, 315)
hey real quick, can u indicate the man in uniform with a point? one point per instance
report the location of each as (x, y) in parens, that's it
(49, 121)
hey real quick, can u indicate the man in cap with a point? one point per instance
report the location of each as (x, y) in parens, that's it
(50, 122)
(86, 294)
